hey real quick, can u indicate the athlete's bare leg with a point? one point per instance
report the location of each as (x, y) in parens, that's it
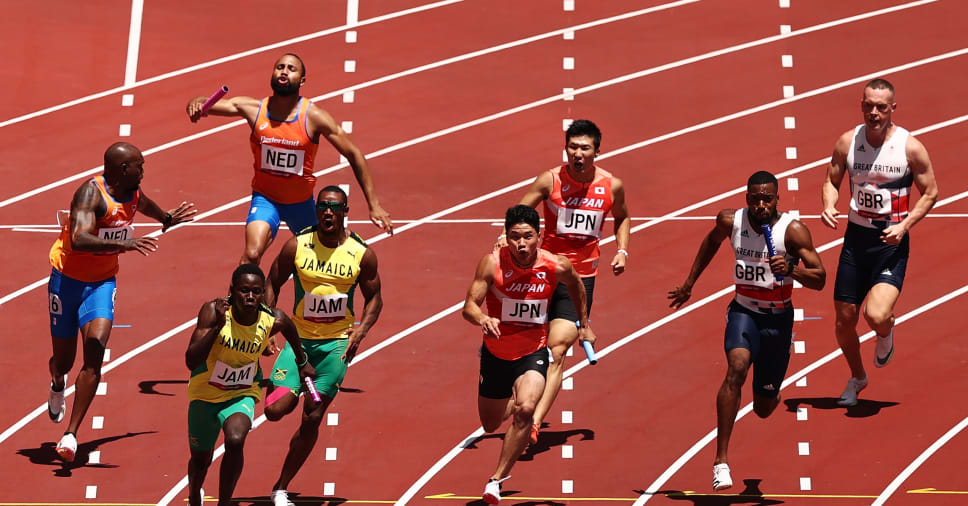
(258, 237)
(95, 334)
(303, 440)
(197, 469)
(236, 428)
(727, 402)
(493, 412)
(62, 359)
(846, 331)
(879, 311)
(527, 390)
(562, 335)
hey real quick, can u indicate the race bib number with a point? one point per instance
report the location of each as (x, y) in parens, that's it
(534, 311)
(115, 234)
(282, 161)
(580, 222)
(325, 308)
(753, 274)
(225, 377)
(872, 201)
(55, 304)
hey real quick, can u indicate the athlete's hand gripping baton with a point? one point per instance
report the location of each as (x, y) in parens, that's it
(219, 93)
(590, 352)
(311, 388)
(768, 234)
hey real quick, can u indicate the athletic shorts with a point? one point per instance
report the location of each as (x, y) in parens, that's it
(72, 303)
(205, 419)
(324, 355)
(866, 261)
(561, 305)
(768, 337)
(498, 376)
(298, 216)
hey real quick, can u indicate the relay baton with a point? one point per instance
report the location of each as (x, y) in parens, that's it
(768, 234)
(311, 388)
(590, 351)
(219, 93)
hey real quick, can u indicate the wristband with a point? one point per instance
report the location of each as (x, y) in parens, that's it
(168, 219)
(622, 251)
(304, 362)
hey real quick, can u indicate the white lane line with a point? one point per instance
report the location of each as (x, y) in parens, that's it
(349, 66)
(94, 457)
(127, 100)
(916, 463)
(785, 29)
(330, 454)
(567, 417)
(102, 389)
(332, 419)
(225, 59)
(90, 492)
(788, 91)
(329, 489)
(567, 487)
(805, 484)
(351, 36)
(789, 122)
(784, 4)
(567, 452)
(568, 5)
(803, 448)
(124, 130)
(352, 12)
(786, 61)
(97, 422)
(793, 184)
(800, 375)
(802, 415)
(791, 153)
(134, 43)
(568, 63)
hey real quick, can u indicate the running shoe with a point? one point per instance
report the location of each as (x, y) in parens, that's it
(854, 386)
(280, 498)
(56, 407)
(535, 429)
(721, 478)
(492, 491)
(67, 447)
(884, 350)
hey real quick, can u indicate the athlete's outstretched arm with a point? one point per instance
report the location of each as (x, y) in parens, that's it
(281, 270)
(830, 192)
(923, 173)
(799, 242)
(483, 280)
(566, 274)
(244, 107)
(211, 319)
(707, 250)
(623, 226)
(369, 282)
(183, 213)
(325, 126)
(284, 324)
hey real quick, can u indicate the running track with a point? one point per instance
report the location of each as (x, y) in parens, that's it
(459, 104)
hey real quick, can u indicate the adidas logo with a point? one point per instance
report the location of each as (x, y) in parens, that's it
(744, 233)
(861, 149)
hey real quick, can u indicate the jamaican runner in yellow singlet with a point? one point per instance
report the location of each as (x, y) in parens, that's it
(223, 355)
(328, 264)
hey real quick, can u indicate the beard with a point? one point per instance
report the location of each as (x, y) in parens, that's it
(286, 90)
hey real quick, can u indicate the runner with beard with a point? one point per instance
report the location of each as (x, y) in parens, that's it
(759, 320)
(286, 128)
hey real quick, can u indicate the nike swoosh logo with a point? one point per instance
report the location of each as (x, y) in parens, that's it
(883, 361)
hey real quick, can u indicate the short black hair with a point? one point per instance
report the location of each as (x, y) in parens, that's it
(301, 63)
(762, 177)
(244, 269)
(880, 84)
(522, 214)
(332, 188)
(581, 127)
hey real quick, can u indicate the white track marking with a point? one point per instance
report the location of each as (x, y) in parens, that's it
(134, 43)
(237, 56)
(914, 465)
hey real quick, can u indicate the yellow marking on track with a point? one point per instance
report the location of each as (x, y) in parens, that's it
(936, 491)
(522, 498)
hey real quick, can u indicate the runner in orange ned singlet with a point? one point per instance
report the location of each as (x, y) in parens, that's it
(82, 286)
(517, 281)
(576, 196)
(286, 128)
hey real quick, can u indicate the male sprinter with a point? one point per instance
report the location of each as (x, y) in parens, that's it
(576, 197)
(286, 128)
(882, 160)
(329, 262)
(759, 320)
(82, 285)
(517, 281)
(223, 356)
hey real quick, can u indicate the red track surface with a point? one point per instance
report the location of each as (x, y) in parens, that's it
(410, 403)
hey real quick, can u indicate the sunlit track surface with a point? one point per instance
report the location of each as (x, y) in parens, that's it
(409, 403)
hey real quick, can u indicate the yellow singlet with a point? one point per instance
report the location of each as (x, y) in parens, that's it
(232, 367)
(325, 281)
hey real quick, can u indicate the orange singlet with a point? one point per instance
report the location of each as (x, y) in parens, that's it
(115, 224)
(574, 214)
(519, 298)
(284, 154)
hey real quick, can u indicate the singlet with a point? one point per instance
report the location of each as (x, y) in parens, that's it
(284, 155)
(232, 367)
(325, 282)
(519, 297)
(115, 224)
(880, 179)
(574, 214)
(756, 288)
